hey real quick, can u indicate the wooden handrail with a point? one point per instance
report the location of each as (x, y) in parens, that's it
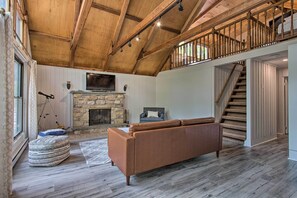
(227, 81)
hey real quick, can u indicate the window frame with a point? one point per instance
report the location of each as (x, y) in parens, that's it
(18, 60)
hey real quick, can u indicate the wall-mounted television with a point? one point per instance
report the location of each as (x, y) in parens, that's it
(100, 82)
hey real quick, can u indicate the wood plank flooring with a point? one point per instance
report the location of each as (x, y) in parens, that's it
(262, 171)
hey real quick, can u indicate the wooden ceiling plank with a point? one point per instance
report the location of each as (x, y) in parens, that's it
(207, 10)
(150, 18)
(117, 31)
(50, 35)
(196, 10)
(229, 14)
(163, 62)
(148, 42)
(81, 20)
(129, 16)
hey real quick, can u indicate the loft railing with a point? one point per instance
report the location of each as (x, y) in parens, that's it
(258, 28)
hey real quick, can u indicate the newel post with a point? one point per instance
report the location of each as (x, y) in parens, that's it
(249, 30)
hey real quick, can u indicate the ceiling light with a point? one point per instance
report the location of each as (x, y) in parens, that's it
(285, 60)
(130, 44)
(159, 23)
(121, 49)
(137, 38)
(180, 6)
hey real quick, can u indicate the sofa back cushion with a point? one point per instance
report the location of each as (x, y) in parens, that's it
(153, 125)
(197, 121)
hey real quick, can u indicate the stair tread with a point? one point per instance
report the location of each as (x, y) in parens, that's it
(238, 96)
(234, 136)
(244, 83)
(234, 118)
(232, 126)
(235, 110)
(239, 90)
(237, 103)
(242, 78)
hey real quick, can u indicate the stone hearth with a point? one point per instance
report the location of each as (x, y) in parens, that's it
(83, 102)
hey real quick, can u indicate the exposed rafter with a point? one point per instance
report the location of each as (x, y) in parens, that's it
(50, 35)
(207, 10)
(117, 32)
(79, 25)
(129, 16)
(233, 12)
(148, 41)
(196, 10)
(164, 7)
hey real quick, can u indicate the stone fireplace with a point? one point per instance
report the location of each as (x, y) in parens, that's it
(94, 112)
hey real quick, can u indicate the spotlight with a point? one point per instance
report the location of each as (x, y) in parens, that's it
(180, 6)
(159, 23)
(130, 44)
(137, 38)
(285, 60)
(121, 49)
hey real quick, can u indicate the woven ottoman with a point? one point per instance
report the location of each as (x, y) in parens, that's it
(48, 151)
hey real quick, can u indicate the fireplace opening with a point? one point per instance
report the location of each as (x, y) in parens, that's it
(99, 116)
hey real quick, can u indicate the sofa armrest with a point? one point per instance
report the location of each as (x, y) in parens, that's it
(162, 116)
(121, 150)
(143, 115)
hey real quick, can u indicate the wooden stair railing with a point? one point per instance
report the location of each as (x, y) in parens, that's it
(257, 29)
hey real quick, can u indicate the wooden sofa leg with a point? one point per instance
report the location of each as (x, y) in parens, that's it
(218, 154)
(112, 163)
(128, 180)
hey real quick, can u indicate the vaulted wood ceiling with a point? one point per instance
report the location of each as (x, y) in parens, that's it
(103, 23)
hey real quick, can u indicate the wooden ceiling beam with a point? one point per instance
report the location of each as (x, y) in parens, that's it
(117, 32)
(76, 13)
(148, 42)
(128, 16)
(61, 38)
(164, 7)
(229, 14)
(190, 20)
(81, 20)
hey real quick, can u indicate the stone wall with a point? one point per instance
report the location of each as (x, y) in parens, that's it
(82, 102)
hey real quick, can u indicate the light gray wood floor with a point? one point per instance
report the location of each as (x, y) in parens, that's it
(262, 171)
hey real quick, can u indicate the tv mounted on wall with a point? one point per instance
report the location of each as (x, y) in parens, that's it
(100, 82)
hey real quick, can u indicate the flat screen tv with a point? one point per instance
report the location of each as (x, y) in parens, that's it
(100, 82)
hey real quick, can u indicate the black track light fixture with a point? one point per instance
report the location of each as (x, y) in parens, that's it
(180, 6)
(121, 49)
(130, 44)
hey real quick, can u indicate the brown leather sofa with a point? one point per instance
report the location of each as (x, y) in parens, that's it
(152, 145)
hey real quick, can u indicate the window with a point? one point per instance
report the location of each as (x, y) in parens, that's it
(19, 27)
(18, 97)
(4, 4)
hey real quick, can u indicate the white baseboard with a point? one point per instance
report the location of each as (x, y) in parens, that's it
(292, 155)
(264, 142)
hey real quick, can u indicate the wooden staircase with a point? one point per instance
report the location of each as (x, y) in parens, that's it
(234, 117)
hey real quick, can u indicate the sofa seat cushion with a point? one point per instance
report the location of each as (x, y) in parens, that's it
(153, 125)
(194, 121)
(151, 119)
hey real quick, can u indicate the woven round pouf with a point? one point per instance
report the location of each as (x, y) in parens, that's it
(49, 151)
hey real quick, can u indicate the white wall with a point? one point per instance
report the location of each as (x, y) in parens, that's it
(261, 102)
(292, 102)
(141, 92)
(281, 74)
(187, 92)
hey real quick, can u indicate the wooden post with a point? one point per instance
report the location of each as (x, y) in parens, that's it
(213, 44)
(248, 42)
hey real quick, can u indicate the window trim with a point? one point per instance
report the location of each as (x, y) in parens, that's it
(17, 59)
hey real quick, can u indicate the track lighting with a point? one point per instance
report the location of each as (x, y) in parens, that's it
(121, 49)
(137, 38)
(130, 44)
(180, 6)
